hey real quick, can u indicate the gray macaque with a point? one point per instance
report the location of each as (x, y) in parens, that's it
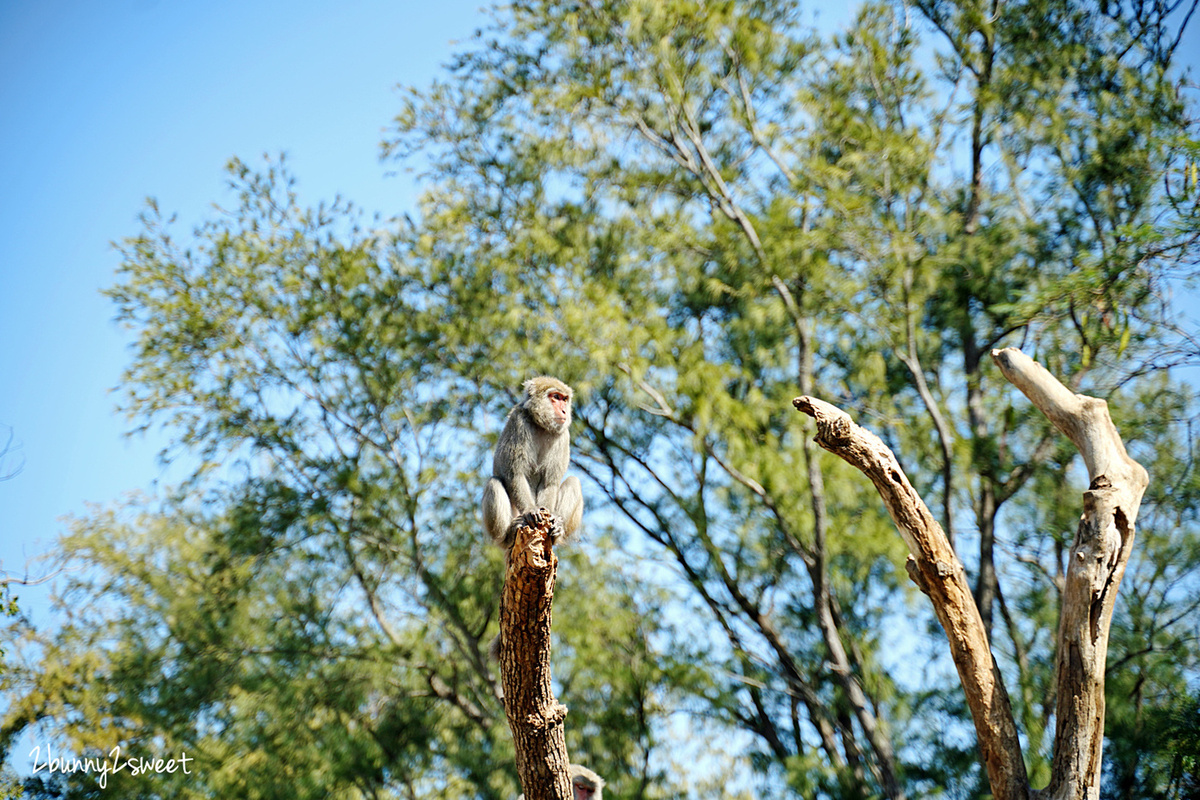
(529, 464)
(585, 784)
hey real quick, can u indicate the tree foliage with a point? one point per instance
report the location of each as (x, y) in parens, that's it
(692, 212)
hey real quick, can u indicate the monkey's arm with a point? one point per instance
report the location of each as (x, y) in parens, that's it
(522, 495)
(514, 460)
(552, 470)
(547, 497)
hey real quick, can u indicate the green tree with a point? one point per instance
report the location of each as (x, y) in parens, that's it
(692, 212)
(309, 616)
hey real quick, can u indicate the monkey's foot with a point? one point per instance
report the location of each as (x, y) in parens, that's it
(557, 531)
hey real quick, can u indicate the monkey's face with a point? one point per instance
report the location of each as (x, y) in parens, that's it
(583, 792)
(549, 402)
(560, 404)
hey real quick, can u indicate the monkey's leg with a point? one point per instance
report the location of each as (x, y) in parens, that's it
(568, 509)
(497, 513)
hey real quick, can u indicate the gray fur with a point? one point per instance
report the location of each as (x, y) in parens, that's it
(529, 466)
(583, 781)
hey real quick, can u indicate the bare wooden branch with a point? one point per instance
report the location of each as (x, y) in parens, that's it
(534, 716)
(935, 568)
(1082, 419)
(1096, 565)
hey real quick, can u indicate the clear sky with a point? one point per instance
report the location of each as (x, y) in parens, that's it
(106, 102)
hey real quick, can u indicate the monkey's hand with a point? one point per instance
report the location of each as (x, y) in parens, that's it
(534, 518)
(557, 531)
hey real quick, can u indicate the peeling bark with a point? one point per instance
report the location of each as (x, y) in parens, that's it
(534, 715)
(1095, 567)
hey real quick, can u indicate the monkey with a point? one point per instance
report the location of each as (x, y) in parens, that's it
(530, 461)
(585, 784)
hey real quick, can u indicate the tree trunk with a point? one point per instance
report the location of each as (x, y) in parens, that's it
(534, 716)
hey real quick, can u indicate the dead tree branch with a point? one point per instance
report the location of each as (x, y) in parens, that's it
(935, 568)
(1098, 557)
(534, 716)
(1097, 563)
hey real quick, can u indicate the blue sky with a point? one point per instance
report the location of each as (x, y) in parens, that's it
(106, 102)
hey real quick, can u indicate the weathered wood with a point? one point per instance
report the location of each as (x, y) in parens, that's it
(935, 568)
(1098, 557)
(534, 716)
(1097, 562)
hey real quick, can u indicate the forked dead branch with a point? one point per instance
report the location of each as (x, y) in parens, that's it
(1097, 563)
